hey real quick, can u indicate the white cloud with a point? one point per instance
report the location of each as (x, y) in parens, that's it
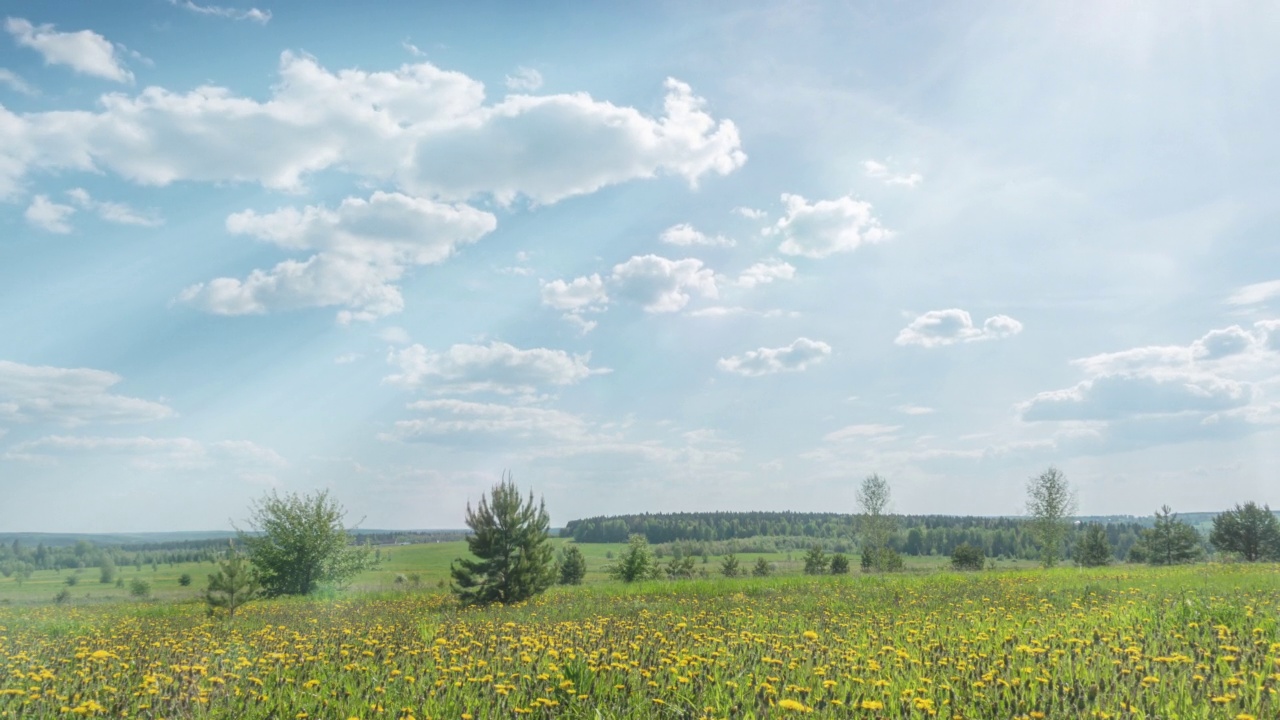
(751, 213)
(496, 367)
(732, 310)
(945, 327)
(1134, 359)
(662, 285)
(524, 80)
(826, 227)
(1109, 397)
(15, 82)
(851, 433)
(150, 453)
(1255, 293)
(425, 128)
(583, 293)
(685, 235)
(799, 355)
(763, 273)
(262, 17)
(462, 422)
(914, 410)
(69, 397)
(1218, 344)
(48, 215)
(113, 212)
(394, 335)
(880, 171)
(363, 246)
(85, 52)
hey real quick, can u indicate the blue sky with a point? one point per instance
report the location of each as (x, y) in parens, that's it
(647, 257)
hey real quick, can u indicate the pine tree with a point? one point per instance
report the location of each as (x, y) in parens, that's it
(729, 566)
(573, 565)
(1094, 549)
(1251, 531)
(815, 561)
(510, 539)
(762, 568)
(235, 584)
(1169, 542)
(636, 563)
(839, 564)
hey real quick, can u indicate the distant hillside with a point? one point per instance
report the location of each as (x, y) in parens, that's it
(201, 538)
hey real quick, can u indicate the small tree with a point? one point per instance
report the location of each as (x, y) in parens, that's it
(1251, 531)
(510, 538)
(1094, 549)
(139, 588)
(762, 568)
(884, 559)
(729, 566)
(106, 569)
(235, 584)
(1050, 501)
(636, 563)
(967, 557)
(184, 579)
(573, 565)
(815, 561)
(877, 525)
(839, 564)
(299, 542)
(680, 567)
(1169, 542)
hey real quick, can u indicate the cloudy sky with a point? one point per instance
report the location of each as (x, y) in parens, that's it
(646, 256)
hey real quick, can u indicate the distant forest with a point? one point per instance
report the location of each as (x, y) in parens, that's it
(777, 531)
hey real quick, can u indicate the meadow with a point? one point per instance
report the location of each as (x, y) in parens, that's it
(1195, 641)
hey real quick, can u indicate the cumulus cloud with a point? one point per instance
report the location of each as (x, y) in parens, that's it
(524, 80)
(826, 227)
(363, 247)
(1255, 293)
(150, 453)
(69, 397)
(799, 355)
(1218, 344)
(262, 17)
(946, 327)
(1108, 397)
(427, 129)
(113, 212)
(661, 285)
(496, 367)
(685, 235)
(15, 82)
(85, 52)
(583, 293)
(881, 172)
(763, 273)
(48, 215)
(751, 213)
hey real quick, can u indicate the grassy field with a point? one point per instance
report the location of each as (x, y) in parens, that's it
(1132, 642)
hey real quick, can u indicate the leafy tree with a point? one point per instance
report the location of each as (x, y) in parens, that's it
(1094, 549)
(839, 564)
(509, 538)
(139, 588)
(967, 557)
(1050, 501)
(235, 584)
(636, 562)
(815, 561)
(1249, 530)
(884, 559)
(729, 566)
(1170, 541)
(299, 542)
(106, 569)
(877, 525)
(762, 568)
(573, 565)
(72, 580)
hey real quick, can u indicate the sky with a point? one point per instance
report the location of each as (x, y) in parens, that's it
(646, 257)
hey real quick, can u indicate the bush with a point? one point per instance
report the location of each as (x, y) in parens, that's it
(636, 563)
(184, 579)
(63, 597)
(967, 557)
(139, 588)
(762, 568)
(72, 580)
(839, 564)
(885, 559)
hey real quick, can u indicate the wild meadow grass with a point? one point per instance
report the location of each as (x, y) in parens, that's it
(1189, 642)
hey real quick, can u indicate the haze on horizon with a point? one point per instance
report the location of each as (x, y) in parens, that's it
(648, 258)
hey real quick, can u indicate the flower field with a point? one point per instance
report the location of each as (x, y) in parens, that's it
(1195, 642)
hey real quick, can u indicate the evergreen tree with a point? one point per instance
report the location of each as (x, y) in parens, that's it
(729, 566)
(573, 565)
(636, 563)
(839, 564)
(1094, 550)
(1170, 541)
(1251, 531)
(235, 584)
(510, 539)
(762, 568)
(299, 542)
(815, 561)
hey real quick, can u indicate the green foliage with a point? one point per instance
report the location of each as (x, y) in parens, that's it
(573, 565)
(63, 597)
(1050, 501)
(184, 579)
(839, 564)
(877, 525)
(967, 557)
(1094, 549)
(729, 566)
(762, 568)
(1169, 542)
(72, 580)
(300, 543)
(636, 563)
(106, 570)
(139, 588)
(515, 560)
(815, 561)
(680, 567)
(1250, 531)
(881, 560)
(235, 584)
